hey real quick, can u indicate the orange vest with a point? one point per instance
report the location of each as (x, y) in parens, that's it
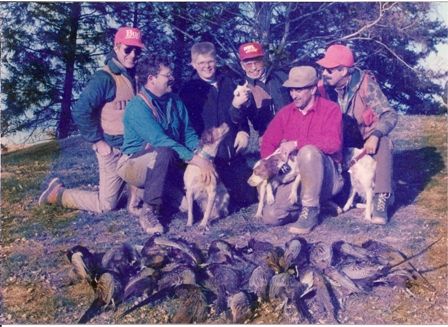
(113, 111)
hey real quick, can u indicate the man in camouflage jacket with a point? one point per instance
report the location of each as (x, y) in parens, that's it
(361, 98)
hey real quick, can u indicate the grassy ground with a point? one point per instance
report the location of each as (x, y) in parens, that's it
(22, 174)
(31, 292)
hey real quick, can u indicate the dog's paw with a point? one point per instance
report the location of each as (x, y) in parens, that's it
(203, 227)
(346, 208)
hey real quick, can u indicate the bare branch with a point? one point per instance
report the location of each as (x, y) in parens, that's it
(388, 49)
(383, 7)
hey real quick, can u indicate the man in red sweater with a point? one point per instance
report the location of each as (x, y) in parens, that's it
(312, 126)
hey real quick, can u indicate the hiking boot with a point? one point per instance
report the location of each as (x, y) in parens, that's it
(308, 219)
(53, 193)
(134, 199)
(381, 203)
(149, 219)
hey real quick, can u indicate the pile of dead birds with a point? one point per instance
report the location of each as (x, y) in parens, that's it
(306, 281)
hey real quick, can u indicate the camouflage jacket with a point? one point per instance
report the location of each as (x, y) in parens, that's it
(363, 99)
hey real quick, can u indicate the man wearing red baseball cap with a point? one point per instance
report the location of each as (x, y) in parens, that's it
(262, 95)
(99, 114)
(362, 100)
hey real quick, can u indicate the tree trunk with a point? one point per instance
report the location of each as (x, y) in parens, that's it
(70, 58)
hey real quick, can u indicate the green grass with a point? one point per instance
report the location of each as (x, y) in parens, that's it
(25, 170)
(435, 195)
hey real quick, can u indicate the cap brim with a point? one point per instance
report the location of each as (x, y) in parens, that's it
(291, 85)
(327, 63)
(134, 44)
(252, 57)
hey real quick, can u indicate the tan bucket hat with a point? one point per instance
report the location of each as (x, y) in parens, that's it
(301, 76)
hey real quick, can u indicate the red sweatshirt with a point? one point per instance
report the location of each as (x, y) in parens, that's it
(321, 126)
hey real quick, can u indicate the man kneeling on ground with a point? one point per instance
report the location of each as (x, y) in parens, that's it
(312, 126)
(157, 136)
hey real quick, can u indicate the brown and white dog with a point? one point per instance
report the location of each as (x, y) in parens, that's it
(213, 199)
(267, 176)
(361, 168)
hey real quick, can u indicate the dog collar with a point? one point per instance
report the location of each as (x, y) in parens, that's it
(204, 154)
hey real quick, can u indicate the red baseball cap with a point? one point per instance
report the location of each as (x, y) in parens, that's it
(129, 36)
(337, 55)
(250, 50)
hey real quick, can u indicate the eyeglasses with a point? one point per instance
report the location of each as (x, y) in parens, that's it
(332, 70)
(169, 76)
(255, 62)
(137, 50)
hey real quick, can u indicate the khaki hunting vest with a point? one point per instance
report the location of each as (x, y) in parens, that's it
(112, 112)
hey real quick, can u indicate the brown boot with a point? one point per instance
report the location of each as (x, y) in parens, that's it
(53, 193)
(149, 220)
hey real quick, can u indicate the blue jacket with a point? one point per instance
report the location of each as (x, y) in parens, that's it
(100, 90)
(173, 129)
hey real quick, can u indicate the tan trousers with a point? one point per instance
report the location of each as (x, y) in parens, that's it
(320, 180)
(109, 189)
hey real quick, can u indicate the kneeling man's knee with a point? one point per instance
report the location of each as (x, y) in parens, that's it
(309, 153)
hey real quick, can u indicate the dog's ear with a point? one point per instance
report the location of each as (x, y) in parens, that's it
(273, 165)
(207, 137)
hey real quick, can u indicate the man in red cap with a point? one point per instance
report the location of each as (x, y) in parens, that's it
(263, 95)
(99, 114)
(361, 98)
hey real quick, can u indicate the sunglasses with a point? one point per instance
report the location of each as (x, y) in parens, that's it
(136, 50)
(332, 70)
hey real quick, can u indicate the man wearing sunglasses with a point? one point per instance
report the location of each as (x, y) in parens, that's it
(360, 97)
(310, 128)
(99, 114)
(263, 95)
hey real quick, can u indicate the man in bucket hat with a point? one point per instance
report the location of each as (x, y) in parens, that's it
(361, 98)
(311, 128)
(99, 114)
(262, 95)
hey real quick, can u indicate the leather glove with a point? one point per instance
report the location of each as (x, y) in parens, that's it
(241, 141)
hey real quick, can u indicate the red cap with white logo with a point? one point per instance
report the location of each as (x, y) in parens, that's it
(129, 36)
(250, 50)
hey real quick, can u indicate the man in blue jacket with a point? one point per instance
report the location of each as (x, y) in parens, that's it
(98, 114)
(157, 136)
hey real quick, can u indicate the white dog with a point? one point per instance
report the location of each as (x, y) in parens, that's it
(362, 173)
(267, 175)
(213, 199)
